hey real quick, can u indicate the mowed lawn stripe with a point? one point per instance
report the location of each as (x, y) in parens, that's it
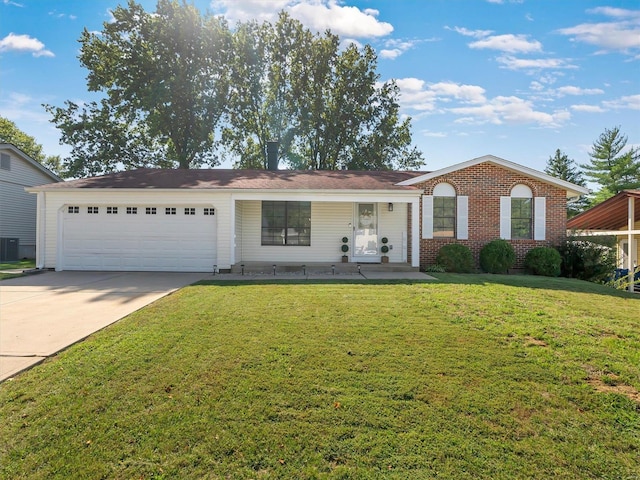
(476, 376)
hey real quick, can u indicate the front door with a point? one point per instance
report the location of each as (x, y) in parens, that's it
(365, 233)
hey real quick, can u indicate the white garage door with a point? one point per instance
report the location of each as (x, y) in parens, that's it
(179, 238)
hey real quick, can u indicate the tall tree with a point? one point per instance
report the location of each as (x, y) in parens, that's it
(324, 105)
(613, 168)
(10, 133)
(266, 63)
(164, 77)
(564, 168)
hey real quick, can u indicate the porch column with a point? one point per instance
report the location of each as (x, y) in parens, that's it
(630, 227)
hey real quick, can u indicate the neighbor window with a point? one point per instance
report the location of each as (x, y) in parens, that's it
(112, 210)
(286, 223)
(189, 211)
(74, 209)
(150, 210)
(92, 210)
(132, 210)
(170, 211)
(5, 161)
(444, 211)
(209, 211)
(521, 213)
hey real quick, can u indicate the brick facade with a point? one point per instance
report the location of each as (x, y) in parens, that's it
(484, 184)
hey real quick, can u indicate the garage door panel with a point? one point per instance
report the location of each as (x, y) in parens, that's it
(139, 241)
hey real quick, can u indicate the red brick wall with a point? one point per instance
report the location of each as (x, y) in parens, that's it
(484, 184)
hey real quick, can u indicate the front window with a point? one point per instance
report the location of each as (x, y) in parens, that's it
(444, 217)
(521, 218)
(286, 223)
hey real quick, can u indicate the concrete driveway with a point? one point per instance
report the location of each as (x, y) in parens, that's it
(42, 314)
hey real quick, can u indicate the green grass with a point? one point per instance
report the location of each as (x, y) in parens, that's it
(474, 376)
(23, 264)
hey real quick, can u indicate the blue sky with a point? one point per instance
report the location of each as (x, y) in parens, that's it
(513, 78)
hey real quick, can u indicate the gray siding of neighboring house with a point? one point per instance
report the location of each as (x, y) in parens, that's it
(17, 207)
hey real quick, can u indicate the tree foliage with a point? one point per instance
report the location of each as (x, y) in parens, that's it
(173, 78)
(10, 133)
(612, 166)
(564, 168)
(164, 77)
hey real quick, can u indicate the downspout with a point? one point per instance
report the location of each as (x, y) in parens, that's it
(630, 236)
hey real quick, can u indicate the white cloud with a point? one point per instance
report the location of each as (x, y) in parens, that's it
(508, 43)
(13, 4)
(396, 47)
(587, 108)
(470, 33)
(428, 133)
(341, 20)
(621, 35)
(510, 110)
(24, 43)
(629, 102)
(470, 104)
(319, 15)
(390, 54)
(571, 90)
(512, 63)
(464, 93)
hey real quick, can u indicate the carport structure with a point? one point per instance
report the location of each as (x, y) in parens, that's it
(618, 216)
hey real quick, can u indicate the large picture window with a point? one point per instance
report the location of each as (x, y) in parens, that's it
(286, 223)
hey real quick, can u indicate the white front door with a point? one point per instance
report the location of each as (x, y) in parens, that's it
(365, 233)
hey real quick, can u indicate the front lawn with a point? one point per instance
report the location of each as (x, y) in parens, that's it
(474, 376)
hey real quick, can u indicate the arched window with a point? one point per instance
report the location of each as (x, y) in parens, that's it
(445, 214)
(444, 211)
(521, 212)
(523, 216)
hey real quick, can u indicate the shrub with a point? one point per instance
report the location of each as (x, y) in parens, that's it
(497, 256)
(455, 258)
(586, 260)
(543, 261)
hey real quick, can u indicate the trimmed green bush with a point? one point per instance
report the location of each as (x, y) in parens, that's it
(587, 260)
(497, 256)
(543, 261)
(455, 258)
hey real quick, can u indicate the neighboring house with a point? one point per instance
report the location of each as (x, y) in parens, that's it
(618, 216)
(17, 207)
(198, 220)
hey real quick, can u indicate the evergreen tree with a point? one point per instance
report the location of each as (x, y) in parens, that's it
(613, 168)
(564, 168)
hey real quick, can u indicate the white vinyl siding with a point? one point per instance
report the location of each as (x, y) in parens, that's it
(330, 221)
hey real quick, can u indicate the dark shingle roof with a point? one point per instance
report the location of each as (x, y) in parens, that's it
(150, 178)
